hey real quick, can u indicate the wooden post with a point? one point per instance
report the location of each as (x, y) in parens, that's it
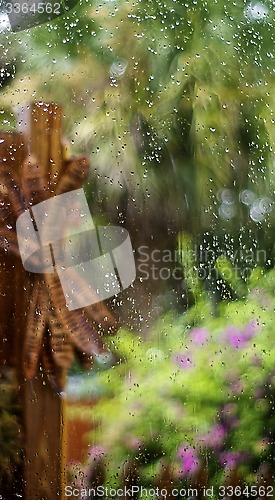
(43, 417)
(43, 409)
(41, 127)
(12, 154)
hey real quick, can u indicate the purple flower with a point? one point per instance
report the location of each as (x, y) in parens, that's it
(251, 329)
(199, 335)
(189, 460)
(238, 338)
(236, 387)
(235, 337)
(96, 452)
(215, 437)
(229, 459)
(183, 360)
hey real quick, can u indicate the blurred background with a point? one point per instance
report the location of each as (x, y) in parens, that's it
(173, 102)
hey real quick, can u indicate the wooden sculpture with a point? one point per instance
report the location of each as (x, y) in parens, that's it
(54, 334)
(39, 335)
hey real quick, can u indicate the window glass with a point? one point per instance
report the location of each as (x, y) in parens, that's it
(147, 298)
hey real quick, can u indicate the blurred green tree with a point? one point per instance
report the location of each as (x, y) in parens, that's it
(174, 102)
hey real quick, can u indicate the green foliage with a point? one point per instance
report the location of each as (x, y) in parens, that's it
(192, 373)
(172, 101)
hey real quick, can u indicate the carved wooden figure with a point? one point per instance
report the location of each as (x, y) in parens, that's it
(39, 335)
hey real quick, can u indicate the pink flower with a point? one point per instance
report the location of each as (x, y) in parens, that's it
(251, 328)
(189, 460)
(96, 452)
(237, 387)
(235, 337)
(215, 437)
(229, 459)
(238, 338)
(183, 360)
(199, 335)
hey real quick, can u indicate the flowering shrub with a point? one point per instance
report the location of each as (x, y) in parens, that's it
(200, 389)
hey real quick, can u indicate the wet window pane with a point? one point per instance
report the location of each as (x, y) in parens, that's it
(137, 249)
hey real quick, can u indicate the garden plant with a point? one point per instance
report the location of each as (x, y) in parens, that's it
(198, 391)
